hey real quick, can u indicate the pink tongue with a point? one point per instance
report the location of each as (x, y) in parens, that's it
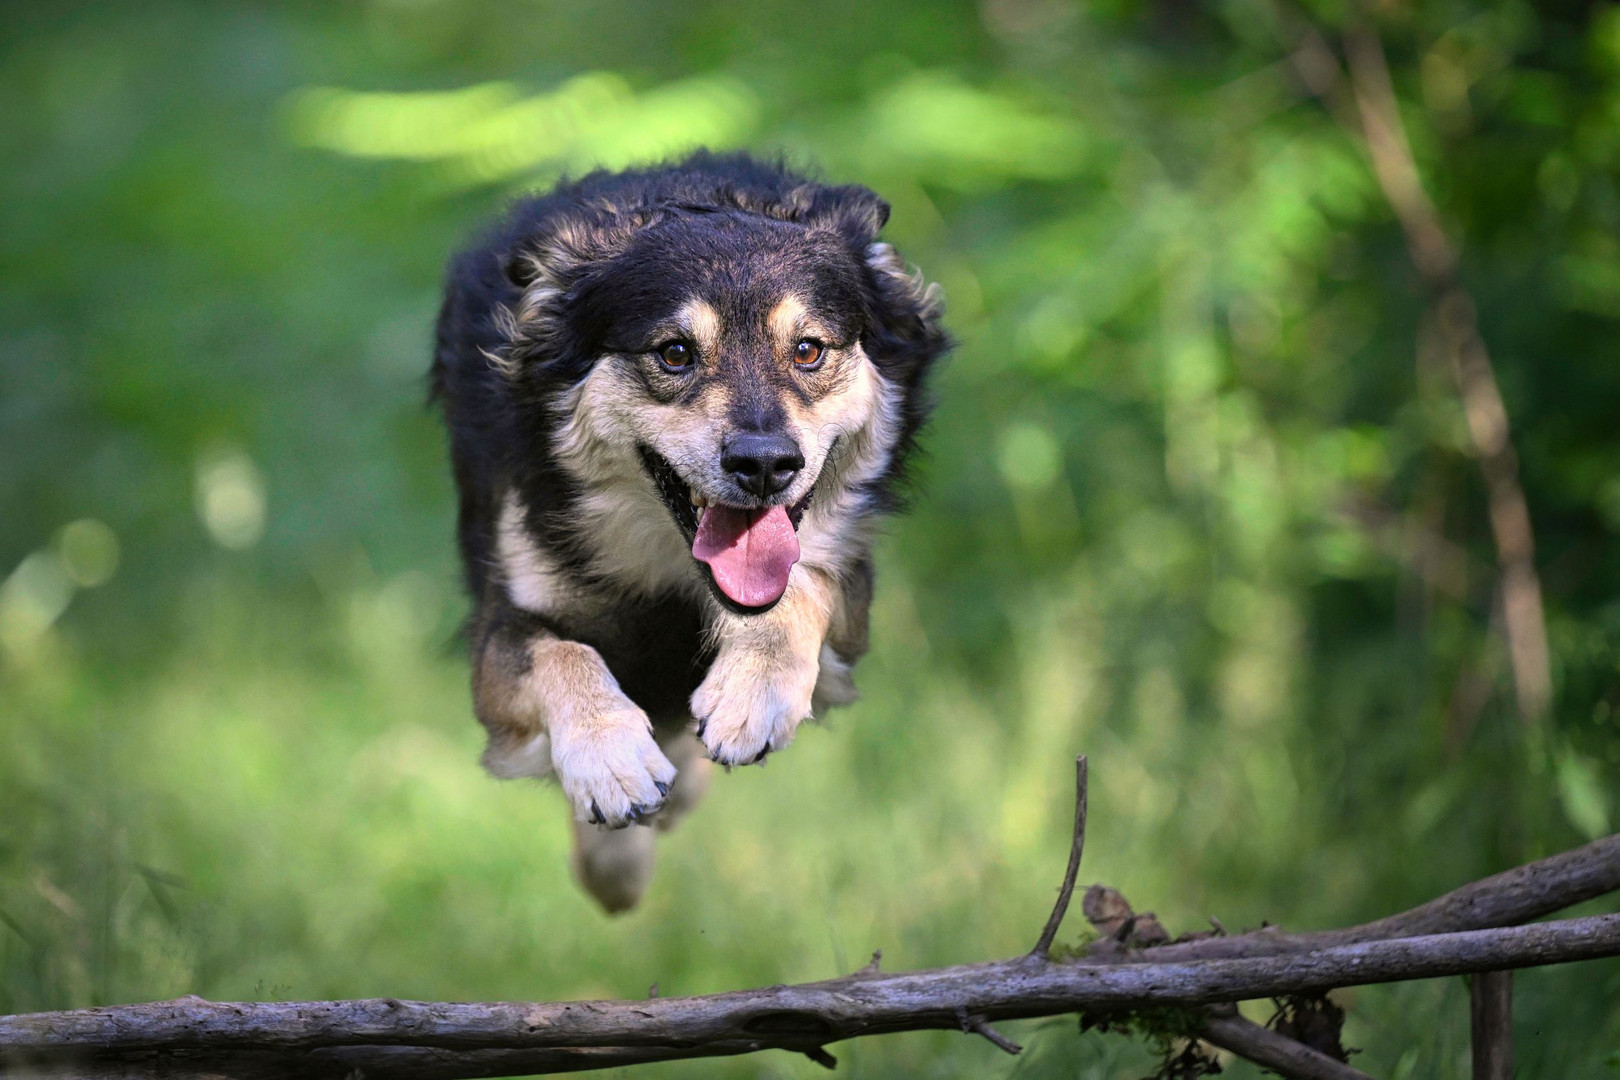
(750, 552)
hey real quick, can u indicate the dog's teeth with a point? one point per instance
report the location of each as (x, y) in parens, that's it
(697, 500)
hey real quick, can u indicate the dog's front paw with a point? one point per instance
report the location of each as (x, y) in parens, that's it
(610, 768)
(746, 709)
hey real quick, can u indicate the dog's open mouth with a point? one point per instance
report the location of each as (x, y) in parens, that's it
(747, 551)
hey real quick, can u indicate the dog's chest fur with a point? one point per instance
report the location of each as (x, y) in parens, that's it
(656, 649)
(652, 640)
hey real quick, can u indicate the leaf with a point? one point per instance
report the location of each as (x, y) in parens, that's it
(1580, 789)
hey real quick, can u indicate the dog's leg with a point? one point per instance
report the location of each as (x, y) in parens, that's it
(693, 771)
(551, 705)
(616, 865)
(760, 685)
(846, 640)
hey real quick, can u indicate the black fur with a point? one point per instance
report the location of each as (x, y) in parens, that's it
(615, 249)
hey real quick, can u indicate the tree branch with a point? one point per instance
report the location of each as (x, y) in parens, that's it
(1230, 1031)
(348, 1062)
(1510, 898)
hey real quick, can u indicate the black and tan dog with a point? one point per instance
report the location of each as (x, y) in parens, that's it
(678, 400)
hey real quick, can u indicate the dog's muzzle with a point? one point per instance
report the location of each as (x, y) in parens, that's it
(747, 552)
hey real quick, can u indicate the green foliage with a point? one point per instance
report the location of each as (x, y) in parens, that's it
(1170, 1034)
(1196, 503)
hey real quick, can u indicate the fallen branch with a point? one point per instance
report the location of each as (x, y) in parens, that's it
(409, 1040)
(791, 1017)
(809, 1014)
(1510, 898)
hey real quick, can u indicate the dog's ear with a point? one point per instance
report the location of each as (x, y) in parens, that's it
(572, 242)
(905, 330)
(854, 212)
(546, 269)
(904, 311)
(523, 267)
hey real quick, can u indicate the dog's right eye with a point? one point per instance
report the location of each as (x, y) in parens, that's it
(675, 355)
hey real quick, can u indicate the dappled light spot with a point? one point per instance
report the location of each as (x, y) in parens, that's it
(38, 592)
(89, 550)
(492, 133)
(1030, 458)
(32, 598)
(230, 498)
(963, 136)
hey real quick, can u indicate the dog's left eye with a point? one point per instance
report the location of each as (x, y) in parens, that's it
(807, 353)
(675, 355)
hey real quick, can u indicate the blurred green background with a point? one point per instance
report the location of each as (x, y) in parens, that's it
(1195, 501)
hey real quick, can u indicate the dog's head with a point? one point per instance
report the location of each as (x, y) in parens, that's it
(741, 351)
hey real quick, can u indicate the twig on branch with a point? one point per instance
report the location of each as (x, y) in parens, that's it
(1077, 846)
(819, 1055)
(1296, 1061)
(977, 1025)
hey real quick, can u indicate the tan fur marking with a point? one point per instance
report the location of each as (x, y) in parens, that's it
(763, 678)
(574, 685)
(700, 320)
(518, 700)
(558, 708)
(510, 714)
(860, 419)
(634, 542)
(787, 320)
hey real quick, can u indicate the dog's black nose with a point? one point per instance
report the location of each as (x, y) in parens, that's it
(761, 465)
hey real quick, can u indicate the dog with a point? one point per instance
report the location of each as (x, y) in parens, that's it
(679, 399)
